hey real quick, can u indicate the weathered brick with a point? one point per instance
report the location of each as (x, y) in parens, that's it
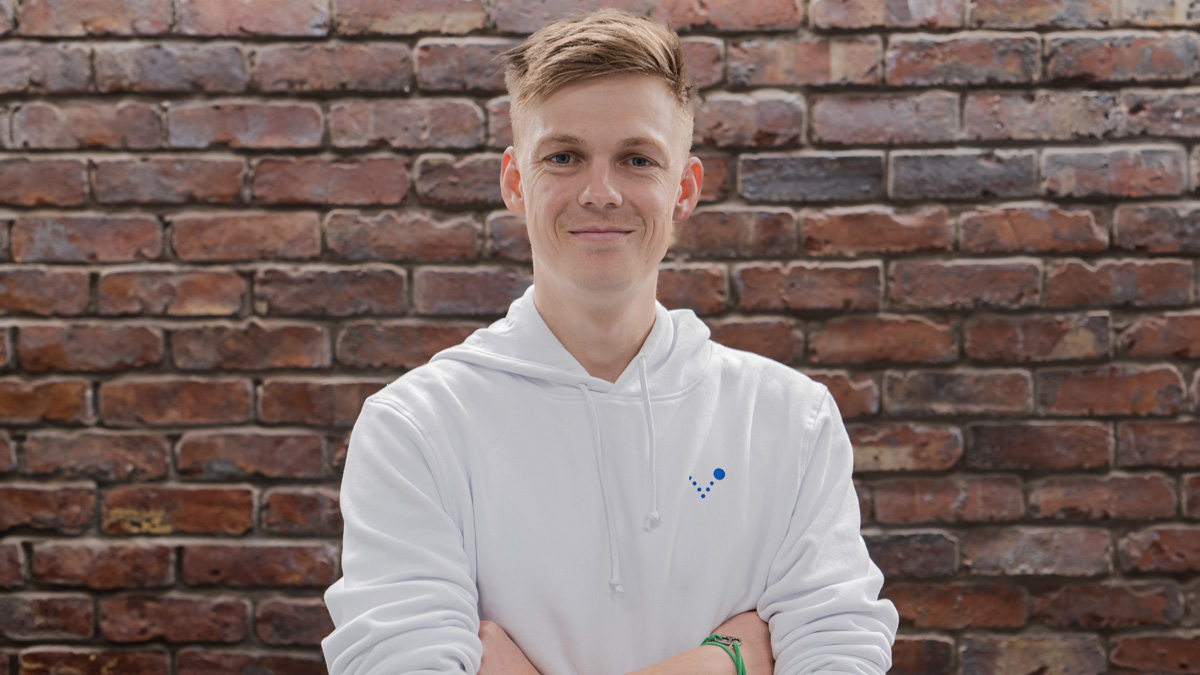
(168, 180)
(716, 177)
(407, 124)
(1005, 14)
(1033, 228)
(766, 118)
(1024, 551)
(64, 508)
(926, 500)
(1029, 446)
(128, 125)
(408, 17)
(705, 59)
(1113, 283)
(259, 565)
(246, 236)
(928, 117)
(1152, 112)
(499, 122)
(1038, 338)
(1170, 445)
(252, 346)
(363, 289)
(703, 289)
(923, 655)
(6, 25)
(774, 338)
(1041, 115)
(45, 401)
(402, 236)
(174, 401)
(244, 125)
(88, 347)
(959, 605)
(1157, 653)
(46, 617)
(1125, 56)
(45, 67)
(1108, 606)
(63, 18)
(806, 61)
(811, 177)
(326, 402)
(1169, 335)
(806, 286)
(887, 13)
(397, 344)
(177, 510)
(11, 564)
(1111, 390)
(856, 395)
(526, 16)
(292, 621)
(247, 455)
(207, 661)
(302, 511)
(1158, 228)
(962, 173)
(446, 180)
(86, 238)
(381, 67)
(472, 292)
(736, 232)
(962, 59)
(102, 565)
(1061, 654)
(894, 339)
(917, 555)
(170, 67)
(1167, 549)
(36, 182)
(730, 15)
(337, 180)
(1102, 497)
(1115, 172)
(265, 17)
(43, 292)
(1191, 501)
(957, 392)
(461, 65)
(174, 618)
(8, 453)
(965, 284)
(170, 293)
(904, 447)
(508, 238)
(1157, 13)
(873, 230)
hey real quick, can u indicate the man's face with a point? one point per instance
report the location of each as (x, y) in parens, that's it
(599, 171)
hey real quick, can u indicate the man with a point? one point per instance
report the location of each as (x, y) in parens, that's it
(591, 485)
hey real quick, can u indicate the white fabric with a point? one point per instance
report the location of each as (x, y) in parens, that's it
(501, 481)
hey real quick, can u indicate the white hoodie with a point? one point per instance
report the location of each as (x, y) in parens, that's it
(605, 526)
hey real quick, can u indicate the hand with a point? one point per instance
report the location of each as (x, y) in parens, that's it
(756, 641)
(502, 656)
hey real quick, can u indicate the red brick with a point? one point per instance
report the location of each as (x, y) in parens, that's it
(1169, 335)
(472, 292)
(1125, 56)
(730, 15)
(959, 605)
(1158, 13)
(302, 511)
(445, 180)
(526, 16)
(404, 344)
(811, 177)
(806, 61)
(1191, 499)
(1158, 228)
(249, 455)
(1041, 14)
(287, 621)
(765, 119)
(328, 402)
(1111, 390)
(174, 401)
(178, 510)
(705, 59)
(924, 500)
(8, 453)
(1167, 549)
(11, 567)
(893, 339)
(170, 293)
(453, 124)
(46, 617)
(45, 401)
(962, 59)
(905, 447)
(1103, 497)
(461, 65)
(928, 117)
(1060, 654)
(86, 238)
(235, 18)
(1171, 445)
(174, 618)
(1033, 228)
(129, 125)
(318, 180)
(89, 347)
(43, 292)
(244, 125)
(259, 565)
(737, 232)
(64, 508)
(1027, 446)
(508, 238)
(962, 173)
(34, 182)
(322, 292)
(1038, 338)
(408, 17)
(808, 286)
(1040, 116)
(246, 236)
(499, 125)
(401, 236)
(703, 289)
(958, 392)
(101, 565)
(252, 346)
(887, 13)
(45, 67)
(917, 555)
(170, 67)
(6, 25)
(1003, 284)
(924, 655)
(716, 177)
(1108, 606)
(1113, 283)
(1022, 551)
(381, 67)
(774, 338)
(856, 395)
(207, 661)
(1157, 653)
(168, 180)
(1108, 172)
(1151, 112)
(63, 18)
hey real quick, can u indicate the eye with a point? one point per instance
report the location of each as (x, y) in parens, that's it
(641, 162)
(560, 158)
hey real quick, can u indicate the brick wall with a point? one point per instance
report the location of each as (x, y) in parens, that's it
(223, 224)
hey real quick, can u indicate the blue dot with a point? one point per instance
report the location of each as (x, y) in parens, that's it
(711, 483)
(707, 489)
(689, 477)
(701, 496)
(719, 474)
(693, 482)
(697, 489)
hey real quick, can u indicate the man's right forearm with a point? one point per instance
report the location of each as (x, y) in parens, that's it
(706, 660)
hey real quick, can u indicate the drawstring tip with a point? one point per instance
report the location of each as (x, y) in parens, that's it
(652, 520)
(616, 587)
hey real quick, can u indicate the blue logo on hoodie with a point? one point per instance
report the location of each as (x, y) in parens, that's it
(718, 474)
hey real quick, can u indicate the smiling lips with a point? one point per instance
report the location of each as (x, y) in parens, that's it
(600, 235)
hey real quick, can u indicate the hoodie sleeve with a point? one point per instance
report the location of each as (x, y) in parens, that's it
(822, 596)
(407, 600)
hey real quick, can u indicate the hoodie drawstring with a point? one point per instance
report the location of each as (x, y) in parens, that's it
(614, 580)
(652, 518)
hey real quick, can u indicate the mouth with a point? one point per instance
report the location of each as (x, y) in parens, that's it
(600, 234)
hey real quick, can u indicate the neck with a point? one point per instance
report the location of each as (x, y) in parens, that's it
(602, 330)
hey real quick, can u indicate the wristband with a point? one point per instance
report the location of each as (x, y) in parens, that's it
(730, 645)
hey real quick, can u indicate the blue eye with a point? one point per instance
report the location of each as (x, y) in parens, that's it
(641, 162)
(560, 158)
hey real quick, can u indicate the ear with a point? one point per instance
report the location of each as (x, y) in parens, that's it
(510, 183)
(689, 189)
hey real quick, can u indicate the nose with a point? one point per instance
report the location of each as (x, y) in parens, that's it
(601, 188)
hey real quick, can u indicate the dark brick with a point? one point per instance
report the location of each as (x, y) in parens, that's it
(63, 18)
(1041, 14)
(892, 339)
(397, 344)
(1002, 654)
(1119, 283)
(730, 15)
(64, 508)
(763, 119)
(38, 182)
(129, 125)
(962, 59)
(897, 119)
(887, 14)
(1108, 606)
(1157, 653)
(445, 180)
(803, 286)
(455, 124)
(1038, 338)
(705, 58)
(170, 67)
(249, 455)
(1127, 56)
(302, 511)
(1103, 497)
(45, 67)
(376, 67)
(173, 401)
(403, 236)
(98, 455)
(1111, 390)
(1107, 172)
(408, 17)
(178, 510)
(320, 180)
(206, 125)
(43, 291)
(259, 565)
(266, 17)
(283, 621)
(1158, 228)
(45, 401)
(170, 293)
(1041, 115)
(959, 392)
(508, 238)
(1170, 113)
(86, 238)
(873, 230)
(253, 346)
(207, 661)
(471, 292)
(1031, 229)
(959, 605)
(174, 618)
(1167, 549)
(924, 655)
(808, 178)
(83, 661)
(774, 338)
(928, 500)
(962, 173)
(246, 236)
(703, 289)
(1170, 335)
(101, 565)
(1039, 446)
(326, 402)
(806, 61)
(46, 617)
(322, 292)
(1022, 551)
(857, 395)
(965, 284)
(168, 180)
(904, 447)
(461, 65)
(526, 16)
(1173, 445)
(917, 555)
(88, 347)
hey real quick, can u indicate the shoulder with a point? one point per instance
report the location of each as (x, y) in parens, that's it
(750, 370)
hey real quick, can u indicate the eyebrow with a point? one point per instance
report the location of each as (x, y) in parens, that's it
(633, 142)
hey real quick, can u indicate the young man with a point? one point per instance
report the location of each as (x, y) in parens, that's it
(591, 485)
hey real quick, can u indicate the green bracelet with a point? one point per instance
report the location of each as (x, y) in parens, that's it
(731, 647)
